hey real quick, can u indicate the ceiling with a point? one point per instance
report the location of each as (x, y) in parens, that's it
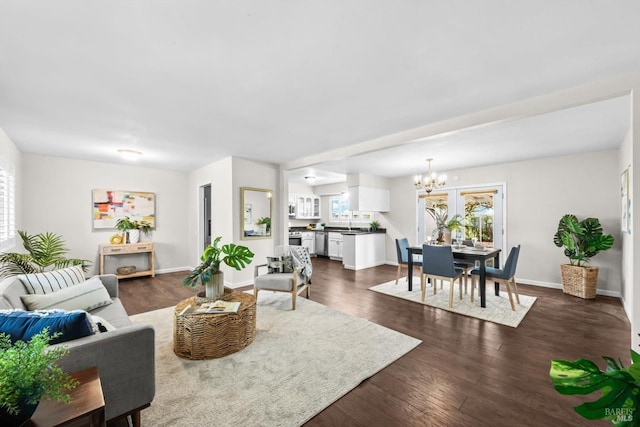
(191, 82)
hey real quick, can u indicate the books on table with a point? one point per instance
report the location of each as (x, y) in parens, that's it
(217, 307)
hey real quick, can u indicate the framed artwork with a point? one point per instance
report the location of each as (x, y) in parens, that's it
(108, 206)
(625, 202)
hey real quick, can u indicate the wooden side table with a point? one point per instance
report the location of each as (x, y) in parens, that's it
(86, 407)
(209, 336)
(129, 249)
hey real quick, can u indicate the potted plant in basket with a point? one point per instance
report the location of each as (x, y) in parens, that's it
(132, 229)
(208, 272)
(582, 240)
(28, 373)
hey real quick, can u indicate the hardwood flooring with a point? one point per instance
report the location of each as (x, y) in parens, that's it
(466, 372)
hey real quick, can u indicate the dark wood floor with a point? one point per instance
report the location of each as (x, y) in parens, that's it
(466, 372)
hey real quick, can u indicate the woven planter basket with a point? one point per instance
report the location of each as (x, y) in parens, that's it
(579, 281)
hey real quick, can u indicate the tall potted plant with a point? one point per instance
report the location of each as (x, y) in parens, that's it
(208, 272)
(582, 240)
(45, 251)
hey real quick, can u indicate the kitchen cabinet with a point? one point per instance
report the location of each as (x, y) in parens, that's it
(307, 206)
(335, 245)
(363, 250)
(309, 242)
(368, 199)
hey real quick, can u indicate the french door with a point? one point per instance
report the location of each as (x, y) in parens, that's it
(480, 208)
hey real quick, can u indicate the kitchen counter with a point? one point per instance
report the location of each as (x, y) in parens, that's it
(363, 249)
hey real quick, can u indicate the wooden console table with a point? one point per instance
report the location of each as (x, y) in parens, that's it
(136, 248)
(86, 407)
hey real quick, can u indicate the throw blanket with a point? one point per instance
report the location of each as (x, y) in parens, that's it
(301, 255)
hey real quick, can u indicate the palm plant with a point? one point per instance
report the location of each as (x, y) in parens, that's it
(44, 251)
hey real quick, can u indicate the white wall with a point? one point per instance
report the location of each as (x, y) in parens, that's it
(58, 199)
(625, 156)
(248, 173)
(538, 193)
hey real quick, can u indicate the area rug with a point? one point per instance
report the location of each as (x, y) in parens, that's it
(498, 309)
(300, 362)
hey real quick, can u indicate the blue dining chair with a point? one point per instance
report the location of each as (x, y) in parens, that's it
(403, 258)
(437, 263)
(507, 275)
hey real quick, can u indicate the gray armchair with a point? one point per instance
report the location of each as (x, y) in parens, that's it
(294, 282)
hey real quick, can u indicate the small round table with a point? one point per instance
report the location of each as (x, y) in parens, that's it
(209, 336)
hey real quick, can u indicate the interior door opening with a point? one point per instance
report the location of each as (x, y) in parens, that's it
(205, 215)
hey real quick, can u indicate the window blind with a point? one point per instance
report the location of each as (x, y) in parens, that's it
(7, 205)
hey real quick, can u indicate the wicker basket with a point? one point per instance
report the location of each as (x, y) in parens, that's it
(209, 336)
(579, 281)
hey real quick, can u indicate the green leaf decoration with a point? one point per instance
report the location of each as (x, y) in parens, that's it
(620, 389)
(581, 240)
(235, 256)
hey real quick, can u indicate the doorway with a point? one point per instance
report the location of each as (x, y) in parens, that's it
(205, 215)
(481, 210)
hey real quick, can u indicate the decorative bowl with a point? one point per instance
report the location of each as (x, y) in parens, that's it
(129, 269)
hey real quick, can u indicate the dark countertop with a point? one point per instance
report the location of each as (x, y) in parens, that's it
(343, 230)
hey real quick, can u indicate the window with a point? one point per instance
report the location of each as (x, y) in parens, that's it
(7, 205)
(340, 212)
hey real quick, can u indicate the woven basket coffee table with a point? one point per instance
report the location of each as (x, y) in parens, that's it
(209, 336)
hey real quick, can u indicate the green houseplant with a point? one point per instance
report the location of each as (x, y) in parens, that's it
(208, 272)
(132, 228)
(266, 221)
(581, 240)
(620, 388)
(28, 373)
(374, 225)
(45, 251)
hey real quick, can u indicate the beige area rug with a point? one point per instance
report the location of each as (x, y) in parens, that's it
(300, 362)
(498, 309)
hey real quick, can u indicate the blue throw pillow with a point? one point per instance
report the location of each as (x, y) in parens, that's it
(22, 325)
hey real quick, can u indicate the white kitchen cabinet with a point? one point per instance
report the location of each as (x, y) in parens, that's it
(309, 242)
(368, 199)
(335, 246)
(363, 250)
(307, 206)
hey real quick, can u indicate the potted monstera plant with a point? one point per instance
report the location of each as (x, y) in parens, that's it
(582, 240)
(208, 272)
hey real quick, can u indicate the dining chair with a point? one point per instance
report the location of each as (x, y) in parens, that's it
(403, 259)
(507, 275)
(437, 263)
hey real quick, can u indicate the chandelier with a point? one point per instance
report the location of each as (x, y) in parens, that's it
(430, 181)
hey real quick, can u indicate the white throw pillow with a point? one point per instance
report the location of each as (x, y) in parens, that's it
(87, 296)
(52, 281)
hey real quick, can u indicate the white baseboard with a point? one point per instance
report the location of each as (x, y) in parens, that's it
(605, 292)
(173, 270)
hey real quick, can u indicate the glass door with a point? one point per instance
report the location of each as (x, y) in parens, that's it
(481, 210)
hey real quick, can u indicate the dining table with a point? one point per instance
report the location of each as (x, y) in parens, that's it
(466, 253)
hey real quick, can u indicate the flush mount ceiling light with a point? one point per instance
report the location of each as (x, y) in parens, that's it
(430, 181)
(310, 178)
(130, 154)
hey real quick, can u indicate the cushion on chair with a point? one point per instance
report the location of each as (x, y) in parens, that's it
(274, 281)
(283, 264)
(491, 272)
(22, 325)
(87, 296)
(52, 281)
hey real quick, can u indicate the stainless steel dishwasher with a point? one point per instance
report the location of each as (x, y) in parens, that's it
(321, 243)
